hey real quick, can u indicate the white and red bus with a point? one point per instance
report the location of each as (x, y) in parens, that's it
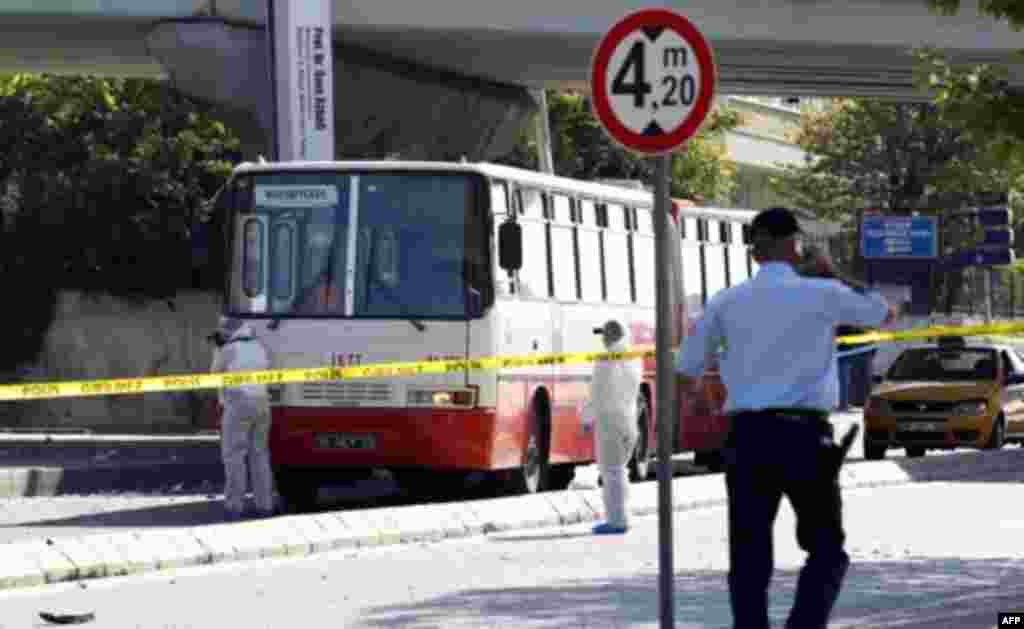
(346, 263)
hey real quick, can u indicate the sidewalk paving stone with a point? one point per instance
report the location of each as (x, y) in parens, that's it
(572, 508)
(88, 561)
(17, 568)
(519, 512)
(217, 540)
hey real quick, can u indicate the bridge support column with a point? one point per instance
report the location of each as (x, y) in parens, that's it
(387, 107)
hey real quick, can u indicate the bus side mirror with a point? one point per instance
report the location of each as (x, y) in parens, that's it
(510, 246)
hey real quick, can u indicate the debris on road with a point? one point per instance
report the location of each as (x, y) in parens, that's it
(67, 619)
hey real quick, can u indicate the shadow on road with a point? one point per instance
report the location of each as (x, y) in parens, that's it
(911, 594)
(997, 466)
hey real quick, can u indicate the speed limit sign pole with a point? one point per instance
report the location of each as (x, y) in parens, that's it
(652, 85)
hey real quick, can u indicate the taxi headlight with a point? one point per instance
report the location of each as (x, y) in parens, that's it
(971, 407)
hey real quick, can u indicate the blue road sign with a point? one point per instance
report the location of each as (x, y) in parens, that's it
(899, 237)
(979, 257)
(994, 216)
(998, 238)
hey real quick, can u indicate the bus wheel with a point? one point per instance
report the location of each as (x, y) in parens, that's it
(560, 476)
(299, 490)
(640, 462)
(532, 477)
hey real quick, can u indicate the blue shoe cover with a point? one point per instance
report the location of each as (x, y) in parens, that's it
(609, 529)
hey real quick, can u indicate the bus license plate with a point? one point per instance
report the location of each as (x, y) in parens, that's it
(922, 427)
(345, 441)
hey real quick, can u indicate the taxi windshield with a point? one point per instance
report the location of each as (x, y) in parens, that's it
(944, 365)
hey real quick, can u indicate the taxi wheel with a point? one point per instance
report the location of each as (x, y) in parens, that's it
(915, 451)
(997, 438)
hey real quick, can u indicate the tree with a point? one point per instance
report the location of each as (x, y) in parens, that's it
(1010, 10)
(581, 149)
(897, 156)
(101, 181)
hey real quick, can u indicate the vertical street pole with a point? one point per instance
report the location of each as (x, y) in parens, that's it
(275, 130)
(666, 386)
(542, 131)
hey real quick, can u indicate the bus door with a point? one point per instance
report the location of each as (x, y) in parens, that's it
(284, 252)
(251, 256)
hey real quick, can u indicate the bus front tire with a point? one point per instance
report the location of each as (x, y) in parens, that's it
(532, 476)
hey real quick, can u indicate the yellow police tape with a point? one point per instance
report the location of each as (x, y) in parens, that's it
(163, 384)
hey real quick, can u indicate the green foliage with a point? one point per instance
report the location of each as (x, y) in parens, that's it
(893, 155)
(1010, 10)
(581, 149)
(101, 181)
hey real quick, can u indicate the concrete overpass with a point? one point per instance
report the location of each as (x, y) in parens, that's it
(466, 64)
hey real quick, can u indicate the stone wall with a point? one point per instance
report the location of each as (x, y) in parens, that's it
(104, 337)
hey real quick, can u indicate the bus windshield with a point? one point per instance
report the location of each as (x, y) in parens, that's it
(372, 244)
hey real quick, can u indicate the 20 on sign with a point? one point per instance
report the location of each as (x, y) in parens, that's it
(654, 81)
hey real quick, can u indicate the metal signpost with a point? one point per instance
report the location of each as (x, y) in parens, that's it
(652, 85)
(301, 64)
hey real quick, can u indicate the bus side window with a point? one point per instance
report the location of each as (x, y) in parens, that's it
(563, 256)
(590, 260)
(643, 257)
(715, 265)
(533, 277)
(616, 249)
(499, 198)
(500, 210)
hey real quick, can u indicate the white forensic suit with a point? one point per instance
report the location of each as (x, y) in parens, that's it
(613, 403)
(245, 426)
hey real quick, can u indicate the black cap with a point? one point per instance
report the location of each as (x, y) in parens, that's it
(775, 222)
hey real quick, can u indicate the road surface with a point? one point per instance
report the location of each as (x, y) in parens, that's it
(924, 556)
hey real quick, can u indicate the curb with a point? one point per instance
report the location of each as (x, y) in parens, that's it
(40, 562)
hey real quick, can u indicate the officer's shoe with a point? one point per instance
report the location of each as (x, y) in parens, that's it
(609, 529)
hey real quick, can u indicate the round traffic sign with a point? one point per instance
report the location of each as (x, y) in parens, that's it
(652, 81)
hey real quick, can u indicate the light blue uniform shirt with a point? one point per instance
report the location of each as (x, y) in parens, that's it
(778, 329)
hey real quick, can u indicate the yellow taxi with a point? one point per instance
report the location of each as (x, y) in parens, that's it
(947, 395)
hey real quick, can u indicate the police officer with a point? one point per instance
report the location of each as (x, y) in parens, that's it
(245, 425)
(779, 367)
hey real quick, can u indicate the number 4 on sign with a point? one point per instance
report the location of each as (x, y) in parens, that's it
(638, 87)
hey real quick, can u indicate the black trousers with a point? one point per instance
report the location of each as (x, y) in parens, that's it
(769, 456)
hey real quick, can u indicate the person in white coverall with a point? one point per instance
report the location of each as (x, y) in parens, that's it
(613, 399)
(245, 424)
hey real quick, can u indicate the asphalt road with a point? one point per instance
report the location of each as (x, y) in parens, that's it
(924, 556)
(189, 505)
